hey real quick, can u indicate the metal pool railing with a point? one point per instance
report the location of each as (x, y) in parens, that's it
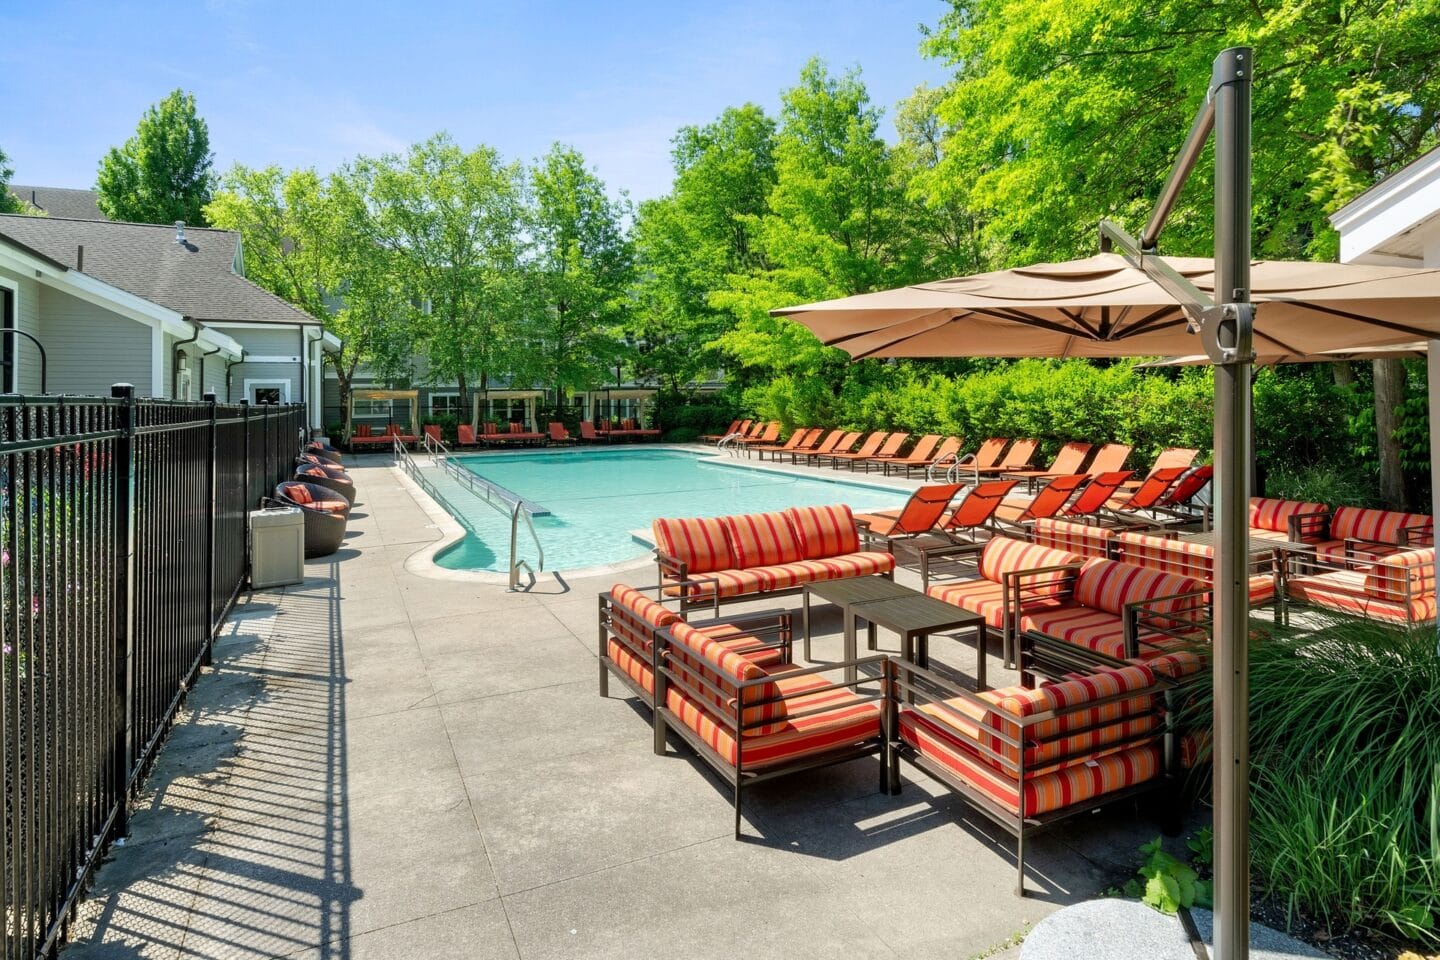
(122, 548)
(505, 501)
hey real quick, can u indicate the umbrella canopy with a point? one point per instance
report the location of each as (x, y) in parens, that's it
(1418, 350)
(1102, 306)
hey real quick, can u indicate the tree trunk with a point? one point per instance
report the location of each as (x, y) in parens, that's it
(343, 379)
(460, 384)
(1344, 373)
(1389, 395)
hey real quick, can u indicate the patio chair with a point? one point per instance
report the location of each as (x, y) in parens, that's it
(1067, 462)
(919, 459)
(1128, 509)
(331, 469)
(890, 448)
(519, 434)
(325, 513)
(1018, 457)
(432, 430)
(922, 449)
(558, 434)
(716, 438)
(588, 433)
(972, 515)
(1109, 459)
(1178, 505)
(769, 434)
(1096, 494)
(317, 475)
(985, 458)
(324, 451)
(465, 435)
(832, 440)
(918, 517)
(394, 432)
(798, 440)
(1044, 505)
(870, 446)
(1168, 459)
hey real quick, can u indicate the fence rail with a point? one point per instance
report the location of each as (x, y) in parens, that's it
(122, 548)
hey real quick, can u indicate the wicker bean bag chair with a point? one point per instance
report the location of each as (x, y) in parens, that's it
(323, 451)
(331, 469)
(325, 514)
(315, 474)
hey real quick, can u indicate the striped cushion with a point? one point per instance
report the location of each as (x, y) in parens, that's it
(1349, 552)
(824, 531)
(297, 492)
(846, 722)
(697, 542)
(1195, 560)
(1003, 555)
(1055, 790)
(1274, 515)
(985, 597)
(1344, 591)
(635, 668)
(638, 668)
(1377, 526)
(1110, 585)
(760, 539)
(1078, 538)
(863, 564)
(1387, 579)
(728, 583)
(634, 606)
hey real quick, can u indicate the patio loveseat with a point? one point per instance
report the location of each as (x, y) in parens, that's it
(1398, 587)
(714, 560)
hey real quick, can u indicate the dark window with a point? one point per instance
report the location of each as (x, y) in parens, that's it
(267, 394)
(7, 361)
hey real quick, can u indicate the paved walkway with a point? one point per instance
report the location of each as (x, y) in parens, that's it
(382, 765)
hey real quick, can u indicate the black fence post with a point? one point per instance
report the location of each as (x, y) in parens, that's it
(245, 549)
(210, 473)
(123, 523)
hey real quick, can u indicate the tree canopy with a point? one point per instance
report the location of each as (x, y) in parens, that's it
(9, 203)
(163, 173)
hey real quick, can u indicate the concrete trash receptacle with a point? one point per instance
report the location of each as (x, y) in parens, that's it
(277, 547)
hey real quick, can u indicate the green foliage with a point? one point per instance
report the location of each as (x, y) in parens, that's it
(9, 203)
(1345, 775)
(162, 174)
(447, 422)
(1065, 112)
(682, 435)
(579, 270)
(1169, 883)
(700, 412)
(1330, 483)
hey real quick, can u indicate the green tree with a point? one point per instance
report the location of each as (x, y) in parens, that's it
(9, 203)
(162, 174)
(579, 270)
(688, 242)
(304, 241)
(453, 219)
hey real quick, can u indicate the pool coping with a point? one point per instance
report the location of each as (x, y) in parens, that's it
(422, 562)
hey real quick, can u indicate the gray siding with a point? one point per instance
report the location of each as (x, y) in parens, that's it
(279, 342)
(27, 318)
(91, 348)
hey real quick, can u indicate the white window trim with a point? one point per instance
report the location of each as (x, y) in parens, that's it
(14, 287)
(430, 401)
(282, 383)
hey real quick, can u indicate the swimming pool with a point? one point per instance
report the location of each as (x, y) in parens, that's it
(597, 497)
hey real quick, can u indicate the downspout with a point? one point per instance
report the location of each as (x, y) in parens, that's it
(304, 369)
(175, 356)
(208, 353)
(230, 364)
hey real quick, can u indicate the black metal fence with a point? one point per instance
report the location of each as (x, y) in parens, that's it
(122, 549)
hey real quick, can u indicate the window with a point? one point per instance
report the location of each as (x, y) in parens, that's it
(445, 404)
(504, 411)
(373, 408)
(267, 391)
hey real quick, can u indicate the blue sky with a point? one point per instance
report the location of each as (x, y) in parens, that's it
(312, 83)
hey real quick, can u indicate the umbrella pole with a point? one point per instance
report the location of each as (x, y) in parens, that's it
(1231, 89)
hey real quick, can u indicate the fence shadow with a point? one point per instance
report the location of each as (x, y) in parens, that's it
(241, 845)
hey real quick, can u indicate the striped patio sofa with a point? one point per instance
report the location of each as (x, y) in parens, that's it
(751, 721)
(714, 560)
(1395, 588)
(1197, 561)
(1027, 758)
(1291, 521)
(1358, 534)
(629, 619)
(1073, 536)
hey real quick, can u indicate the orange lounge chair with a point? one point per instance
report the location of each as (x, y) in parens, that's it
(924, 459)
(1068, 461)
(1045, 504)
(1127, 509)
(918, 517)
(1169, 458)
(985, 458)
(831, 445)
(519, 434)
(799, 440)
(432, 430)
(868, 448)
(716, 438)
(769, 435)
(1178, 504)
(922, 448)
(1110, 459)
(1095, 495)
(1018, 457)
(392, 433)
(889, 449)
(558, 433)
(465, 436)
(974, 513)
(588, 434)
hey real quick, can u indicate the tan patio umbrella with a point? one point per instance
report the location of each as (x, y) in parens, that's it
(1102, 306)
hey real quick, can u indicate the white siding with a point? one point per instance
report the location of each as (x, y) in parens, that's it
(91, 348)
(27, 318)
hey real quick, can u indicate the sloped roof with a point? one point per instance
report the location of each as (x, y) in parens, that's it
(61, 201)
(197, 279)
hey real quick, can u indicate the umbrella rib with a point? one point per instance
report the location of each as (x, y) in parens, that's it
(1027, 319)
(1156, 320)
(1279, 343)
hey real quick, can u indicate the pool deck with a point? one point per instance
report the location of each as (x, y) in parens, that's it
(384, 765)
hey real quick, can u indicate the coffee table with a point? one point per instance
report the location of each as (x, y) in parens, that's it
(909, 613)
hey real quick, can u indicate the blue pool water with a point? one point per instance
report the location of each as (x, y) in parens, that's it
(596, 497)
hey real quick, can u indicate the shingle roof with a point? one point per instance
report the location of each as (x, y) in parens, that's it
(196, 279)
(61, 201)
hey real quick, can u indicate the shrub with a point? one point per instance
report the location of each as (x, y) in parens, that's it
(447, 422)
(1345, 775)
(1328, 483)
(684, 434)
(701, 412)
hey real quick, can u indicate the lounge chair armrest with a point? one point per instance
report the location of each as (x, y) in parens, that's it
(1306, 527)
(1138, 612)
(1418, 535)
(951, 549)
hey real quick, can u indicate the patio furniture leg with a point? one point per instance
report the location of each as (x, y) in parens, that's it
(1020, 859)
(982, 652)
(871, 640)
(805, 621)
(604, 671)
(852, 672)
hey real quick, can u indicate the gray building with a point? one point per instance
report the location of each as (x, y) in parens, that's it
(166, 308)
